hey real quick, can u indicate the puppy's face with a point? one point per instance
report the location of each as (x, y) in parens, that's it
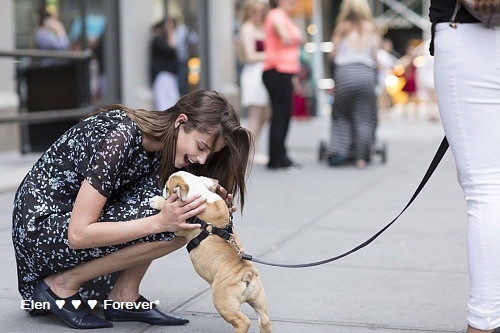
(181, 183)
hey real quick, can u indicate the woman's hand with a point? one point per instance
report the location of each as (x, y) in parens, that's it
(227, 197)
(175, 212)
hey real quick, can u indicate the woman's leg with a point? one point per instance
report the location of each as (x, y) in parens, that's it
(467, 76)
(364, 118)
(126, 287)
(258, 116)
(134, 258)
(280, 90)
(341, 130)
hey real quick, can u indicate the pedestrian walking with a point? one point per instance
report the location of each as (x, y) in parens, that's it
(354, 111)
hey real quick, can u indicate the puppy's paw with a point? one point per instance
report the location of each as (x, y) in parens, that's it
(156, 202)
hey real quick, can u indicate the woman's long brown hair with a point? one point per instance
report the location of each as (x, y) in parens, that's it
(208, 112)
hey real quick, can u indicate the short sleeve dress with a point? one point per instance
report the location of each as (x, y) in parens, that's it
(106, 150)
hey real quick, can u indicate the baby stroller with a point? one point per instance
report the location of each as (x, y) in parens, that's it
(378, 149)
(354, 118)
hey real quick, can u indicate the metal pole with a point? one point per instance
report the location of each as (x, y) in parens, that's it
(318, 58)
(204, 45)
(83, 33)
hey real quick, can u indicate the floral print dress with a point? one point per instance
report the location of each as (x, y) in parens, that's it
(106, 150)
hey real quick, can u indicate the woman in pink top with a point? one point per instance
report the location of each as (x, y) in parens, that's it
(283, 40)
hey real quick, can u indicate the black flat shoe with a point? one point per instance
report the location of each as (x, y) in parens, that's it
(76, 318)
(151, 316)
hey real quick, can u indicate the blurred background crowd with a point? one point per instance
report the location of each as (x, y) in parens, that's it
(107, 57)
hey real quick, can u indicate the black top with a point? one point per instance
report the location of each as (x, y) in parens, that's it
(442, 11)
(163, 57)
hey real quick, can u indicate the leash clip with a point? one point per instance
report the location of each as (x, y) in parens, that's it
(245, 256)
(234, 244)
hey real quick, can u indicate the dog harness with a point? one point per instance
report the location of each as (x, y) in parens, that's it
(208, 229)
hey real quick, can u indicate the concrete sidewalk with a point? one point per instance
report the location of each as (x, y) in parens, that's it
(413, 278)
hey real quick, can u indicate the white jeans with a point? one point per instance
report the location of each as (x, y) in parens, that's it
(165, 90)
(467, 80)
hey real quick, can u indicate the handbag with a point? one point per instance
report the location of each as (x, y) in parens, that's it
(486, 11)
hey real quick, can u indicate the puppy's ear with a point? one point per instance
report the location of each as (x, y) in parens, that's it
(182, 191)
(210, 183)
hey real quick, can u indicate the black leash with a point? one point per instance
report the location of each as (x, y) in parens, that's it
(432, 167)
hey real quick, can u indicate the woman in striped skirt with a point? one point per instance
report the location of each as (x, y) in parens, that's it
(354, 113)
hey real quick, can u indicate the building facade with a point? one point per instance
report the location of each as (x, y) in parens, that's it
(122, 31)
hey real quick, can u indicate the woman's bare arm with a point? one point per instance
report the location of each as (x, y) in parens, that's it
(84, 231)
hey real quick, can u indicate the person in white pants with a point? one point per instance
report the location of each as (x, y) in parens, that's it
(467, 81)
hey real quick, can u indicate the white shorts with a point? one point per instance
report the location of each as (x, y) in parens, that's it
(253, 91)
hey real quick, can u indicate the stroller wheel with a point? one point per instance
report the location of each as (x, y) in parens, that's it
(322, 151)
(383, 153)
(381, 149)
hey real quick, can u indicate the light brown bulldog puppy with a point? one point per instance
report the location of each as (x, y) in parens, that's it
(233, 280)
